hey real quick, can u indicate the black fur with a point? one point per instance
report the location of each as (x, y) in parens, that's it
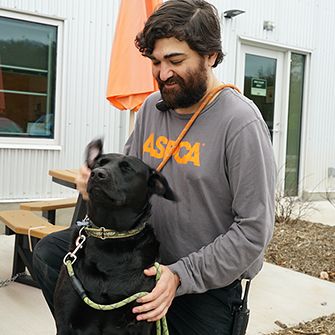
(112, 269)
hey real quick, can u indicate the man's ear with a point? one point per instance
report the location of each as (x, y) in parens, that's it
(93, 152)
(212, 59)
(159, 185)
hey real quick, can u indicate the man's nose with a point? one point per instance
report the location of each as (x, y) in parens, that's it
(165, 72)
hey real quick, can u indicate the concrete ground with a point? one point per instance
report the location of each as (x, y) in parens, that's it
(322, 212)
(276, 294)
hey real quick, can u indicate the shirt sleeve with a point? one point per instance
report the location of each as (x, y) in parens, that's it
(237, 254)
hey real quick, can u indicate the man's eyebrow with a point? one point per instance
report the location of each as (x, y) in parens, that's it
(173, 54)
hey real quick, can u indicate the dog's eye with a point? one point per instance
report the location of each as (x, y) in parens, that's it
(103, 161)
(125, 166)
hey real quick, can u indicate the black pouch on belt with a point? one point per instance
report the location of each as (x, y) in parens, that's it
(241, 314)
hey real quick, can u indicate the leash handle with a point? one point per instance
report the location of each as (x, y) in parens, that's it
(202, 105)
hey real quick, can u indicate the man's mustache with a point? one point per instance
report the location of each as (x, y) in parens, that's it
(169, 81)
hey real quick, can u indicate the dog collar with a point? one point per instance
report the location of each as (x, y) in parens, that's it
(104, 233)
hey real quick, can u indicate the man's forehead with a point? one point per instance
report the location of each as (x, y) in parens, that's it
(169, 47)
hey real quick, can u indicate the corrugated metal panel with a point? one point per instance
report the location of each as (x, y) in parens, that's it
(85, 113)
(299, 24)
(294, 26)
(88, 33)
(320, 153)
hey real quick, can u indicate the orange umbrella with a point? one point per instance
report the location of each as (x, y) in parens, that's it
(130, 78)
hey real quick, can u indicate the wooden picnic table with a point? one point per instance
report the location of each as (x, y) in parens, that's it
(29, 228)
(67, 178)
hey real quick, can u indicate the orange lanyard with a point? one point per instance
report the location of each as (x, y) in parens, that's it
(202, 105)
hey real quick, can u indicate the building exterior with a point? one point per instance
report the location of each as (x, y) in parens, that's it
(54, 62)
(279, 53)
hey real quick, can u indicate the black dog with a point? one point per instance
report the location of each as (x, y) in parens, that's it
(109, 269)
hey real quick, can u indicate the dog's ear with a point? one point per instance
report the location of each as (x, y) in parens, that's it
(159, 185)
(93, 152)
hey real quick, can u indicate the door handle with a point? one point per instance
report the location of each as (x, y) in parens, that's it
(276, 128)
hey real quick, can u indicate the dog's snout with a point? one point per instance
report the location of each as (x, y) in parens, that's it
(99, 174)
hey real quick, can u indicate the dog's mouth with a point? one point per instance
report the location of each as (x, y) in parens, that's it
(99, 194)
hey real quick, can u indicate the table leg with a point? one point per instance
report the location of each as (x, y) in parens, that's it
(80, 210)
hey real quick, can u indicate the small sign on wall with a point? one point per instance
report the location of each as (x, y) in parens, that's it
(258, 87)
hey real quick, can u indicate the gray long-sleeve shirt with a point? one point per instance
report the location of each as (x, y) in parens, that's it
(224, 177)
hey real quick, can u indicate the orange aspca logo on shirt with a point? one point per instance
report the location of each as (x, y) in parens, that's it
(161, 146)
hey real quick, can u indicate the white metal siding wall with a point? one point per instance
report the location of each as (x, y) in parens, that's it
(85, 112)
(320, 141)
(299, 24)
(88, 35)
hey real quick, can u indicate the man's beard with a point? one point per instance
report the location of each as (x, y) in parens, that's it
(188, 91)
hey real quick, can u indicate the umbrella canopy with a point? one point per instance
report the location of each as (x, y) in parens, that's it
(130, 77)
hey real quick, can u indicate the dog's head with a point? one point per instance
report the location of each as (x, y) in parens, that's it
(122, 182)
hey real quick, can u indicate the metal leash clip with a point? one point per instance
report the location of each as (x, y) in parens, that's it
(85, 222)
(79, 244)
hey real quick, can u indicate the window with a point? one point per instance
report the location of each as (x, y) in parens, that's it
(28, 52)
(260, 85)
(294, 124)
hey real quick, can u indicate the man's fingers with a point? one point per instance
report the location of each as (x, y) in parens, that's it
(153, 314)
(81, 180)
(150, 272)
(156, 294)
(151, 296)
(159, 316)
(155, 304)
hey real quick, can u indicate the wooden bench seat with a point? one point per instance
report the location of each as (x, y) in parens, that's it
(48, 204)
(23, 223)
(20, 221)
(49, 207)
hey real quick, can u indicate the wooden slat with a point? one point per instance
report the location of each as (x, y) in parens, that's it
(49, 204)
(68, 175)
(20, 221)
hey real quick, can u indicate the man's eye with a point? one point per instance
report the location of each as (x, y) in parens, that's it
(176, 62)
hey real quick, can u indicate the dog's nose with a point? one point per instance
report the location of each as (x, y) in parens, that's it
(99, 174)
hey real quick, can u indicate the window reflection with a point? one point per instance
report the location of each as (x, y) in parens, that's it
(263, 69)
(27, 78)
(294, 124)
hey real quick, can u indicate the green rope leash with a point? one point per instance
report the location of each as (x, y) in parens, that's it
(161, 325)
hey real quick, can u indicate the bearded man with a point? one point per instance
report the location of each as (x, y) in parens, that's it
(223, 173)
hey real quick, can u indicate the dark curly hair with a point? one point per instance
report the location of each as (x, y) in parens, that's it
(193, 21)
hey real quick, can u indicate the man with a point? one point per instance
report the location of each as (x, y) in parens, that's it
(223, 174)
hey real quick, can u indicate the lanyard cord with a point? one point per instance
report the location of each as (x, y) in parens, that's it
(202, 105)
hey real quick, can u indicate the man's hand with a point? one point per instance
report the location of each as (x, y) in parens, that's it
(157, 302)
(82, 179)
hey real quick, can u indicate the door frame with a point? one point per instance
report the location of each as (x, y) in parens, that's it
(273, 50)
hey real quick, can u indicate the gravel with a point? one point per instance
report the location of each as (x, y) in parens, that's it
(308, 248)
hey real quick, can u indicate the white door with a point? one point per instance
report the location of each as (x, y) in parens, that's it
(260, 77)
